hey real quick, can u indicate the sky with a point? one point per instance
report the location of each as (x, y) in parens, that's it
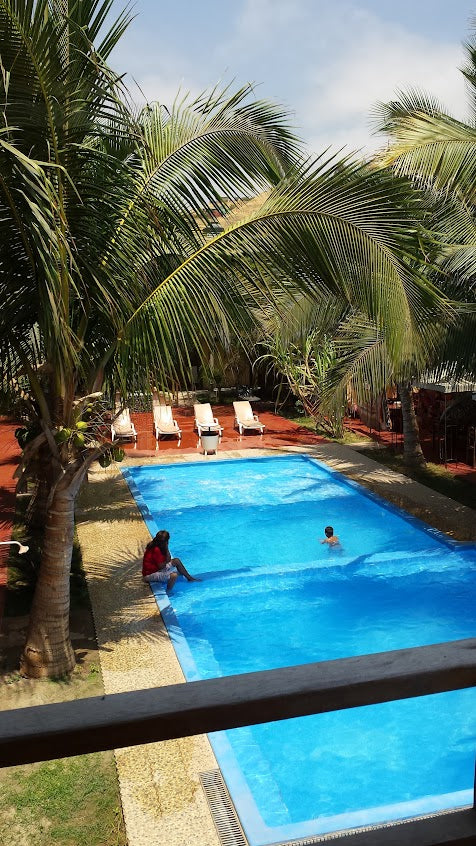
(328, 62)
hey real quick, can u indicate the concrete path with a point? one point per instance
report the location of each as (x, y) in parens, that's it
(162, 798)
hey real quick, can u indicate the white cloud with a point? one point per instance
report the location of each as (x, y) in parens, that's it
(334, 63)
(329, 62)
(380, 60)
(259, 21)
(155, 72)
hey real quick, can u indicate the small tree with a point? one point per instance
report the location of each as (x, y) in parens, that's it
(305, 369)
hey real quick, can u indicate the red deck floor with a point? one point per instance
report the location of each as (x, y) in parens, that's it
(278, 433)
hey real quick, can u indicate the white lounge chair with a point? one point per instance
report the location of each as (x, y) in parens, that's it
(204, 418)
(123, 427)
(245, 417)
(164, 423)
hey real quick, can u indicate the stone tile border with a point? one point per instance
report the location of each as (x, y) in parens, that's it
(162, 799)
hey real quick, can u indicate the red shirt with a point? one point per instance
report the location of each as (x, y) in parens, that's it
(153, 561)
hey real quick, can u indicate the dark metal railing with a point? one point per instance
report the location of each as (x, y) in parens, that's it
(126, 719)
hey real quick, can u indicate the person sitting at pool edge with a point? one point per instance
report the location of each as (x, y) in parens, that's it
(158, 564)
(330, 537)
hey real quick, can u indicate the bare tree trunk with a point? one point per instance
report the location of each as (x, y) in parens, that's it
(412, 451)
(48, 650)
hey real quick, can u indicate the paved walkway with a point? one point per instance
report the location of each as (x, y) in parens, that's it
(162, 798)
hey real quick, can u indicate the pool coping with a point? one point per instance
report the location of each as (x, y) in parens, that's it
(250, 818)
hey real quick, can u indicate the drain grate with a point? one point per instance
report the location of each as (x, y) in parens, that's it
(222, 809)
(230, 832)
(226, 819)
(227, 823)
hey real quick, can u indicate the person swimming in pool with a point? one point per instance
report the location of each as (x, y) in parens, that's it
(330, 537)
(158, 564)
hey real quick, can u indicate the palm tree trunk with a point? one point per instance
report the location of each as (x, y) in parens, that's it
(43, 473)
(412, 451)
(48, 650)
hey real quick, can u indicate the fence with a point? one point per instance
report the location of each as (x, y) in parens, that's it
(107, 722)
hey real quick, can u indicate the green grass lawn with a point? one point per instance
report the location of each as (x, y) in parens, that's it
(72, 802)
(434, 476)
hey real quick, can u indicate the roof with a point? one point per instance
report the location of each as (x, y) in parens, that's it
(460, 386)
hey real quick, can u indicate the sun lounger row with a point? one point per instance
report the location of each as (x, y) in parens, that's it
(165, 424)
(244, 418)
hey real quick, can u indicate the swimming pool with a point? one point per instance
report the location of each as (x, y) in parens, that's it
(273, 596)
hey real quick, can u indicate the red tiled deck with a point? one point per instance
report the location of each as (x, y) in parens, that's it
(9, 458)
(278, 433)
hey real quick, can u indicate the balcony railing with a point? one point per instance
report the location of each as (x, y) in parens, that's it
(127, 719)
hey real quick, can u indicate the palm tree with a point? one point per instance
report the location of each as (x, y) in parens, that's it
(364, 367)
(300, 352)
(438, 154)
(108, 279)
(97, 207)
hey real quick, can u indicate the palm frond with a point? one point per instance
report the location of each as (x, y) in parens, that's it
(343, 230)
(436, 151)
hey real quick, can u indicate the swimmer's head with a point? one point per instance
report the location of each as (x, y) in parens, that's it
(328, 531)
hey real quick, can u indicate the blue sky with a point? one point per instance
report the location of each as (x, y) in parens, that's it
(327, 61)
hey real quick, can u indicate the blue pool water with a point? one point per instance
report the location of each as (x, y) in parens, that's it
(273, 596)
